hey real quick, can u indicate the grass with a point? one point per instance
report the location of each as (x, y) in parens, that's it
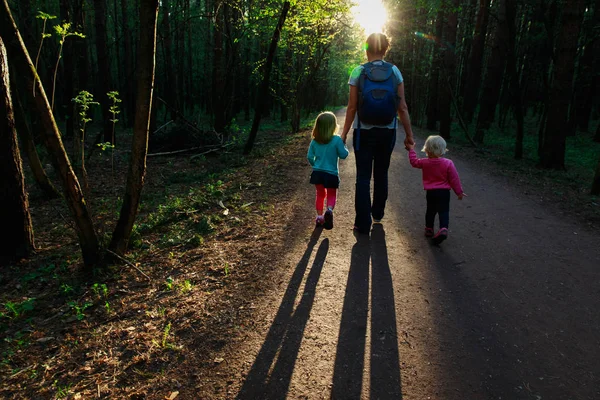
(185, 204)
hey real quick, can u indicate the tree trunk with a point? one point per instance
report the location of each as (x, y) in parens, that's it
(264, 89)
(434, 77)
(52, 139)
(80, 52)
(471, 93)
(218, 67)
(190, 84)
(449, 62)
(137, 167)
(67, 72)
(515, 95)
(128, 105)
(596, 184)
(588, 73)
(17, 242)
(171, 86)
(37, 169)
(553, 149)
(104, 82)
(493, 79)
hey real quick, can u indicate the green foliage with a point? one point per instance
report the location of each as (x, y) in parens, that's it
(105, 146)
(64, 31)
(62, 392)
(100, 290)
(84, 101)
(114, 107)
(15, 310)
(186, 286)
(78, 309)
(44, 16)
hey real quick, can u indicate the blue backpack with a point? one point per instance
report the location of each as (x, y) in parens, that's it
(377, 94)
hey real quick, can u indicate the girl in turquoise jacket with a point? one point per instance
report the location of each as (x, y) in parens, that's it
(324, 152)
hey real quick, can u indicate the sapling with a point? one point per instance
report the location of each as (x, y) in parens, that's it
(114, 110)
(45, 17)
(64, 31)
(84, 101)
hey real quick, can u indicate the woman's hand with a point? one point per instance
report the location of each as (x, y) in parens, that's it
(460, 196)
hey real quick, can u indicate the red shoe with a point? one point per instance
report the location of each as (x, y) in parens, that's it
(428, 232)
(319, 221)
(440, 236)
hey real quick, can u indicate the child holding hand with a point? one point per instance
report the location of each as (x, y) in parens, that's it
(324, 152)
(439, 177)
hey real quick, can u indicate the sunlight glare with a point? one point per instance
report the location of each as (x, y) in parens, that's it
(371, 15)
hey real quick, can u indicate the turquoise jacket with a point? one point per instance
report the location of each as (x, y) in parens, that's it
(324, 157)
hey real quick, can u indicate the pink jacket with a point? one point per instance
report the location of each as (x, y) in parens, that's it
(438, 173)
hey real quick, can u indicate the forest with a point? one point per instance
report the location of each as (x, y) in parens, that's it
(93, 92)
(526, 67)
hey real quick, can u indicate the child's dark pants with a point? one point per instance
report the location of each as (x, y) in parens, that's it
(438, 202)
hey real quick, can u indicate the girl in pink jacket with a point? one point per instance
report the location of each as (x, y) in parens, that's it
(439, 176)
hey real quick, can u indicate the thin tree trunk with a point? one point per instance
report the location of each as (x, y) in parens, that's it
(588, 76)
(80, 51)
(37, 169)
(434, 77)
(596, 183)
(137, 168)
(171, 86)
(104, 84)
(190, 84)
(117, 47)
(555, 135)
(471, 93)
(449, 62)
(52, 139)
(67, 72)
(218, 67)
(128, 105)
(264, 89)
(515, 94)
(493, 78)
(17, 242)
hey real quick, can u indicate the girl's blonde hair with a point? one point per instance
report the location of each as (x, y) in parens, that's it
(325, 127)
(435, 146)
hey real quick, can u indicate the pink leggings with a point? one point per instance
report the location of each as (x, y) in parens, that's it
(321, 193)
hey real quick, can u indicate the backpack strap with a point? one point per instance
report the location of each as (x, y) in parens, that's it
(361, 85)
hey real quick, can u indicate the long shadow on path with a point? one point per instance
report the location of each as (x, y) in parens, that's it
(271, 373)
(384, 360)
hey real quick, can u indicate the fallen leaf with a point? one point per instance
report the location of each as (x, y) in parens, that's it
(172, 396)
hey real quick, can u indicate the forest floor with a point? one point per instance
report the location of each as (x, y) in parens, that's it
(232, 293)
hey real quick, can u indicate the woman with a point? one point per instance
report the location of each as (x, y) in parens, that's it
(374, 142)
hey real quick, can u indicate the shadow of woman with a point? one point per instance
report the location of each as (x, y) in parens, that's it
(384, 361)
(281, 346)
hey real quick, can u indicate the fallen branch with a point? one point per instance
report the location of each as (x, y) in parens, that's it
(458, 114)
(180, 115)
(168, 153)
(166, 124)
(211, 150)
(128, 263)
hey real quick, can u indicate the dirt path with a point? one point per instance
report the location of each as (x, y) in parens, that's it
(506, 308)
